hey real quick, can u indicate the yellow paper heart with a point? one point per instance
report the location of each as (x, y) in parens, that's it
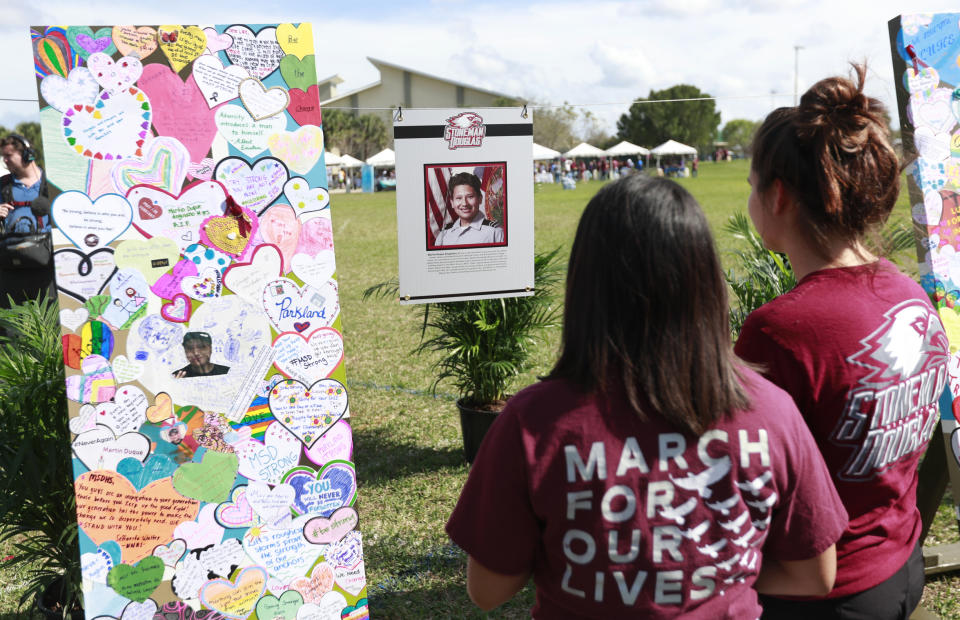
(296, 40)
(181, 45)
(224, 232)
(161, 409)
(951, 324)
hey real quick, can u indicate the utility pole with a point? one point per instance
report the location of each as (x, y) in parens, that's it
(796, 72)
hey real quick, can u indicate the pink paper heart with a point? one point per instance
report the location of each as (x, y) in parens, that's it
(217, 42)
(168, 285)
(180, 109)
(305, 106)
(96, 384)
(202, 170)
(114, 76)
(324, 531)
(179, 310)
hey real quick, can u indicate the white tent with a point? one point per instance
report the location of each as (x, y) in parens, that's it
(542, 152)
(585, 150)
(626, 148)
(330, 159)
(384, 159)
(348, 161)
(672, 147)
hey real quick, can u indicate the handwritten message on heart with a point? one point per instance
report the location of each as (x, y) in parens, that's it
(129, 40)
(151, 257)
(256, 185)
(95, 384)
(163, 164)
(316, 270)
(204, 287)
(271, 505)
(215, 41)
(90, 225)
(260, 101)
(137, 582)
(203, 532)
(308, 358)
(82, 275)
(305, 105)
(268, 460)
(258, 53)
(283, 608)
(304, 198)
(248, 279)
(301, 149)
(113, 127)
(218, 84)
(181, 110)
(294, 309)
(321, 493)
(140, 473)
(324, 530)
(162, 214)
(105, 499)
(247, 135)
(126, 413)
(316, 586)
(335, 444)
(181, 45)
(308, 412)
(101, 449)
(78, 88)
(284, 552)
(172, 552)
(351, 578)
(224, 234)
(280, 226)
(72, 319)
(298, 73)
(178, 310)
(237, 511)
(235, 599)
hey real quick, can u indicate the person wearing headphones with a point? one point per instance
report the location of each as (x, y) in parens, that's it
(24, 208)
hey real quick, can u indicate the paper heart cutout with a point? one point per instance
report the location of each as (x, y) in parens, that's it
(308, 412)
(178, 310)
(78, 88)
(285, 553)
(352, 579)
(271, 505)
(347, 551)
(247, 135)
(141, 473)
(317, 585)
(84, 41)
(72, 319)
(222, 559)
(269, 460)
(163, 164)
(51, 52)
(299, 73)
(112, 128)
(280, 226)
(315, 271)
(168, 285)
(328, 608)
(85, 420)
(933, 111)
(181, 45)
(235, 599)
(300, 149)
(296, 40)
(88, 224)
(114, 76)
(322, 493)
(178, 610)
(218, 84)
(286, 304)
(161, 409)
(924, 81)
(139, 611)
(217, 42)
(206, 257)
(323, 530)
(180, 109)
(255, 186)
(95, 566)
(126, 413)
(203, 532)
(237, 511)
(223, 232)
(125, 370)
(162, 214)
(308, 358)
(210, 480)
(932, 146)
(283, 608)
(259, 53)
(95, 384)
(150, 257)
(82, 275)
(303, 198)
(101, 449)
(933, 207)
(316, 234)
(138, 582)
(248, 279)
(335, 444)
(172, 552)
(262, 102)
(129, 40)
(305, 106)
(202, 170)
(204, 287)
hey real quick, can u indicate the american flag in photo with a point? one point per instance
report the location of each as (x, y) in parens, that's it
(437, 182)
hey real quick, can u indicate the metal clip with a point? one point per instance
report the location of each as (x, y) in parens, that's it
(523, 112)
(398, 117)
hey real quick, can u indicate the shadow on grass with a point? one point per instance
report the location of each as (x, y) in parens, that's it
(386, 459)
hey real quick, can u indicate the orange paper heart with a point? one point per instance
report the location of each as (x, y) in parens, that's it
(161, 409)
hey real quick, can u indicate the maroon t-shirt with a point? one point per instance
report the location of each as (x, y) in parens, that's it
(863, 353)
(619, 517)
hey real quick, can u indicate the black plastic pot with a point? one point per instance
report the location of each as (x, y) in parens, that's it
(50, 602)
(474, 424)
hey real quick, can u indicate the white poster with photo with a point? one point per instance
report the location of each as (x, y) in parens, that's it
(464, 204)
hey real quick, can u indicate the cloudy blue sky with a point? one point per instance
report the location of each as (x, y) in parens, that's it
(601, 53)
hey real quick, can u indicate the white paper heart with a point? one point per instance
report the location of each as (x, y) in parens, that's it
(204, 287)
(308, 358)
(203, 531)
(255, 186)
(258, 53)
(933, 207)
(125, 370)
(85, 420)
(202, 170)
(300, 149)
(171, 552)
(262, 102)
(270, 460)
(78, 88)
(83, 275)
(285, 553)
(114, 76)
(95, 566)
(101, 449)
(308, 411)
(126, 413)
(218, 84)
(72, 319)
(114, 127)
(163, 164)
(248, 279)
(222, 558)
(328, 608)
(303, 198)
(315, 271)
(90, 225)
(933, 111)
(932, 146)
(139, 611)
(157, 213)
(351, 579)
(291, 308)
(272, 505)
(243, 132)
(926, 80)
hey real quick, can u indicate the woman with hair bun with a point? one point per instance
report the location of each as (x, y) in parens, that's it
(856, 343)
(651, 474)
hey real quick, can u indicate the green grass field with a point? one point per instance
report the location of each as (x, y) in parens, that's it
(407, 442)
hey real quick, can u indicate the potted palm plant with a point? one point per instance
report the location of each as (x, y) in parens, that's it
(484, 343)
(37, 503)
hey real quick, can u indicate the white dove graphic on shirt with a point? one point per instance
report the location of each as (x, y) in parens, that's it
(744, 541)
(764, 504)
(724, 506)
(678, 513)
(701, 482)
(695, 533)
(726, 565)
(734, 525)
(761, 524)
(756, 485)
(712, 550)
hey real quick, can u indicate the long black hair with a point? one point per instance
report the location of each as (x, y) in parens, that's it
(646, 306)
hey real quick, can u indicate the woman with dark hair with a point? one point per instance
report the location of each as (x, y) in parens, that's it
(856, 343)
(650, 474)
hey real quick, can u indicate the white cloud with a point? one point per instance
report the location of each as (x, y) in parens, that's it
(621, 68)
